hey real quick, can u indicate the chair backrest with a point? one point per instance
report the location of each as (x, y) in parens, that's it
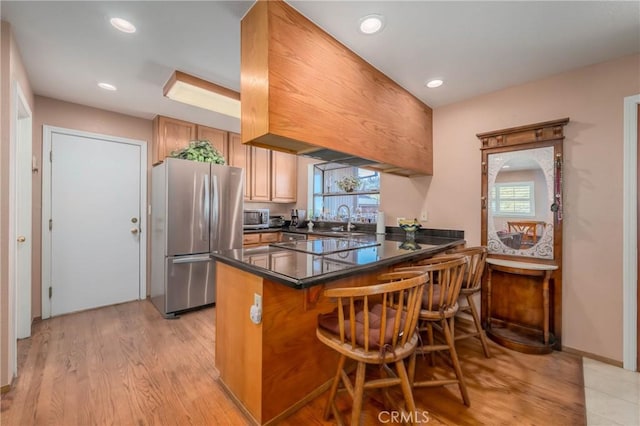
(477, 259)
(447, 272)
(385, 315)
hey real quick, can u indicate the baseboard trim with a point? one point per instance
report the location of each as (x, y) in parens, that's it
(6, 388)
(592, 356)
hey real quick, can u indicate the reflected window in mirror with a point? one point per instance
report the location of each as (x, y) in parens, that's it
(521, 191)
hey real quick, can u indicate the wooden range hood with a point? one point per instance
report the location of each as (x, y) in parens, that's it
(304, 92)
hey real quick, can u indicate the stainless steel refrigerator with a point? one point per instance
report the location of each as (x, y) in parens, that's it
(195, 208)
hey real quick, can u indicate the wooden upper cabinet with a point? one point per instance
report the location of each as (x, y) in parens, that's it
(269, 175)
(302, 90)
(284, 177)
(260, 174)
(169, 135)
(218, 138)
(239, 156)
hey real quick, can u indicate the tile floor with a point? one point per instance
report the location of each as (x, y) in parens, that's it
(612, 394)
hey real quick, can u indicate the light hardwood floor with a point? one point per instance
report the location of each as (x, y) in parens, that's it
(125, 365)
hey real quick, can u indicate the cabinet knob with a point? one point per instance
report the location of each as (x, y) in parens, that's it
(134, 230)
(22, 239)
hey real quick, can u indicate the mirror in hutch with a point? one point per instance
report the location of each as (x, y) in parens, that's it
(522, 228)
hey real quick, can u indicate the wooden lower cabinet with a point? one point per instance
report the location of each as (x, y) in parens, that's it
(260, 239)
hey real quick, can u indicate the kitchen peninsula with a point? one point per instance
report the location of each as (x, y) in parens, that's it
(274, 365)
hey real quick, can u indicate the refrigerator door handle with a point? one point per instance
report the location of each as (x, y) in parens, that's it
(191, 259)
(205, 207)
(215, 217)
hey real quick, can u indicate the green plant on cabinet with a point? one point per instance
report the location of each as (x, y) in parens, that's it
(199, 150)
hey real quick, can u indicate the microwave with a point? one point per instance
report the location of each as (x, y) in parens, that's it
(255, 218)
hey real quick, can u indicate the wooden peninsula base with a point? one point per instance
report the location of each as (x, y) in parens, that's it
(275, 367)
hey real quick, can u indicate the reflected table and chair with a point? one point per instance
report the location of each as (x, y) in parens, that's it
(530, 231)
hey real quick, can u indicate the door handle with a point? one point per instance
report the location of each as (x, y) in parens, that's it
(192, 259)
(134, 230)
(22, 239)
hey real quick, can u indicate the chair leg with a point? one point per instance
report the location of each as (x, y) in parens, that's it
(334, 388)
(446, 326)
(406, 388)
(476, 320)
(412, 368)
(432, 355)
(358, 393)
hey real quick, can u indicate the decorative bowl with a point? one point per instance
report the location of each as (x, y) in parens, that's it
(413, 227)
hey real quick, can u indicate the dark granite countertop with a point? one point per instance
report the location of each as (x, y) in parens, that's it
(300, 270)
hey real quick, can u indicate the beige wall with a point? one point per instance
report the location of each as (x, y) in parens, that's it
(12, 72)
(57, 113)
(592, 242)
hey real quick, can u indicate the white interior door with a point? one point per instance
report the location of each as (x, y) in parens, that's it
(95, 222)
(23, 216)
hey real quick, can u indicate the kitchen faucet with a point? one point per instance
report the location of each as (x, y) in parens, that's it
(349, 225)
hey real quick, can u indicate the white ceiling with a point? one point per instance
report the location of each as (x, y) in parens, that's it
(475, 47)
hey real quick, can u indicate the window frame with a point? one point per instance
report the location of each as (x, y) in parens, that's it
(494, 201)
(329, 191)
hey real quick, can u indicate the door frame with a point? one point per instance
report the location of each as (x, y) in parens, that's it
(23, 120)
(47, 134)
(630, 235)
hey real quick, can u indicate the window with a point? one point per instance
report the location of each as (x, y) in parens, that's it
(513, 199)
(363, 202)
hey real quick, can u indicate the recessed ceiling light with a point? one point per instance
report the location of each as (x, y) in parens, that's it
(123, 25)
(107, 86)
(371, 24)
(434, 83)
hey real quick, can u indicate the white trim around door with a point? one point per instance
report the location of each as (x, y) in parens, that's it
(630, 234)
(47, 134)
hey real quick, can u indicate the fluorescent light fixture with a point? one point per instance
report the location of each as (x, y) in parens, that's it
(434, 83)
(123, 25)
(107, 86)
(371, 24)
(194, 91)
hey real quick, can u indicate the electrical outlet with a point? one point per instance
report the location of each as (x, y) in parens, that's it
(423, 216)
(255, 312)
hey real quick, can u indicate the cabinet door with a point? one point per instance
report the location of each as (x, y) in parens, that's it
(239, 157)
(284, 175)
(171, 135)
(260, 174)
(269, 237)
(218, 139)
(250, 239)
